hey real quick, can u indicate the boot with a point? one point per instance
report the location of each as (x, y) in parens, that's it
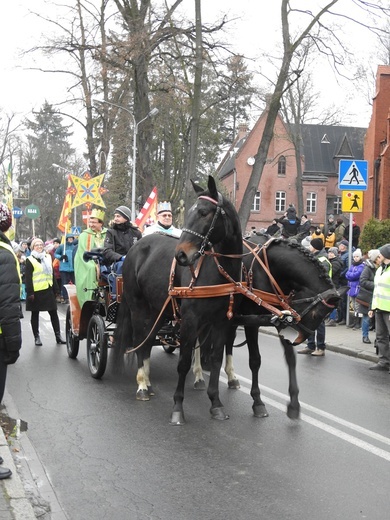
(38, 341)
(59, 340)
(358, 324)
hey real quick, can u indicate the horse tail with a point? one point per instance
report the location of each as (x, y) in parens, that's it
(123, 334)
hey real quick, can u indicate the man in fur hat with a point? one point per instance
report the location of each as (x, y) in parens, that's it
(164, 222)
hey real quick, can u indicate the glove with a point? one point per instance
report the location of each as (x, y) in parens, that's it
(64, 258)
(30, 298)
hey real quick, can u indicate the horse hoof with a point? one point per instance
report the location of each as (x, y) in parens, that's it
(142, 395)
(260, 411)
(293, 413)
(218, 414)
(200, 384)
(234, 384)
(177, 419)
(150, 390)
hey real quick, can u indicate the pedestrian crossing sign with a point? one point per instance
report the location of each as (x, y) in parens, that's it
(353, 175)
(352, 202)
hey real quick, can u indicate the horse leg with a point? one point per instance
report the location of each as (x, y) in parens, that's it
(233, 382)
(293, 408)
(147, 375)
(252, 338)
(187, 332)
(199, 383)
(219, 340)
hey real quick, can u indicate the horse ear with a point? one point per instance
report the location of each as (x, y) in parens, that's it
(197, 188)
(212, 188)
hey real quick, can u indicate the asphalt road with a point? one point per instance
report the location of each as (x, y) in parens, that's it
(109, 456)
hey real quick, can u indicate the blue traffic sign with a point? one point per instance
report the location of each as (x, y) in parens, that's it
(353, 175)
(17, 212)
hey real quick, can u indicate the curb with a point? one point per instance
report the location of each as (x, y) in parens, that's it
(20, 506)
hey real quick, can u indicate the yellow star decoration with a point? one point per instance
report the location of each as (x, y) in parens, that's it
(88, 190)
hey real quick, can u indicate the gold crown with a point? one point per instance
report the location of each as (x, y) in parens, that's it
(98, 213)
(164, 206)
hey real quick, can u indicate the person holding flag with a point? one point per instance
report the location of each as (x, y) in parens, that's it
(65, 253)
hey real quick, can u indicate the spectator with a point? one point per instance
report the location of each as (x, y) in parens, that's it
(355, 233)
(274, 228)
(318, 251)
(339, 230)
(41, 288)
(353, 276)
(56, 264)
(364, 296)
(342, 307)
(329, 224)
(330, 238)
(64, 253)
(22, 268)
(304, 227)
(337, 267)
(318, 234)
(289, 221)
(381, 307)
(10, 310)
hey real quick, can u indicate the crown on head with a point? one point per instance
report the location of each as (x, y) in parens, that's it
(164, 206)
(98, 213)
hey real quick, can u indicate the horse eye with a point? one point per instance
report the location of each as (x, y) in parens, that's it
(203, 212)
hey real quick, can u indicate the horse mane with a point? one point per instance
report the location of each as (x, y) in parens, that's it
(293, 244)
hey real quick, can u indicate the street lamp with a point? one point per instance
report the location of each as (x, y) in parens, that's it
(152, 113)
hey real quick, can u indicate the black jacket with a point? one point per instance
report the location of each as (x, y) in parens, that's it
(337, 268)
(10, 310)
(119, 240)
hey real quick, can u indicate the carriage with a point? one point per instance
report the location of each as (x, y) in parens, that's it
(95, 321)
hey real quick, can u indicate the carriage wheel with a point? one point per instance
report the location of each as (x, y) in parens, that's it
(72, 341)
(96, 346)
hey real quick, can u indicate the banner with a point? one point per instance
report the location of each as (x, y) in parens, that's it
(148, 214)
(65, 217)
(88, 190)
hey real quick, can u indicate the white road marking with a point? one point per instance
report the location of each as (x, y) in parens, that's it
(321, 425)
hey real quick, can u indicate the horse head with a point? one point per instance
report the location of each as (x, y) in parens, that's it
(212, 222)
(301, 281)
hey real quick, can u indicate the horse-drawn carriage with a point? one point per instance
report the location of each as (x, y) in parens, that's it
(95, 321)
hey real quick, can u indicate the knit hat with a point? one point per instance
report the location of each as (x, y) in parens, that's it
(373, 254)
(124, 211)
(317, 243)
(331, 216)
(5, 217)
(306, 242)
(35, 241)
(333, 250)
(344, 243)
(357, 252)
(385, 251)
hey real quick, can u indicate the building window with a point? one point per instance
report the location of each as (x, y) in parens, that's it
(280, 201)
(256, 202)
(282, 165)
(337, 206)
(311, 202)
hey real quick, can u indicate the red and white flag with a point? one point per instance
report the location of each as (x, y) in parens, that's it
(148, 214)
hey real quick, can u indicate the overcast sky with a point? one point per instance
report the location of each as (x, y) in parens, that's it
(257, 27)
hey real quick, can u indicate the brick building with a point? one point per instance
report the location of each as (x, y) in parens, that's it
(323, 147)
(377, 152)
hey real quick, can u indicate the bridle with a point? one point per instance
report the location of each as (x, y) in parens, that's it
(206, 238)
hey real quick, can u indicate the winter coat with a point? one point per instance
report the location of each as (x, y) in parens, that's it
(339, 232)
(290, 226)
(10, 310)
(337, 268)
(330, 240)
(66, 265)
(366, 285)
(119, 240)
(355, 234)
(44, 300)
(353, 276)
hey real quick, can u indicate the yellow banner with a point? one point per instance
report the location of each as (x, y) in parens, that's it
(88, 191)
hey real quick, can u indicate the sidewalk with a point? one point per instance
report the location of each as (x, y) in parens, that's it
(14, 504)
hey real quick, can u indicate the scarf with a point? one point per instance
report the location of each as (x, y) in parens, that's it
(44, 259)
